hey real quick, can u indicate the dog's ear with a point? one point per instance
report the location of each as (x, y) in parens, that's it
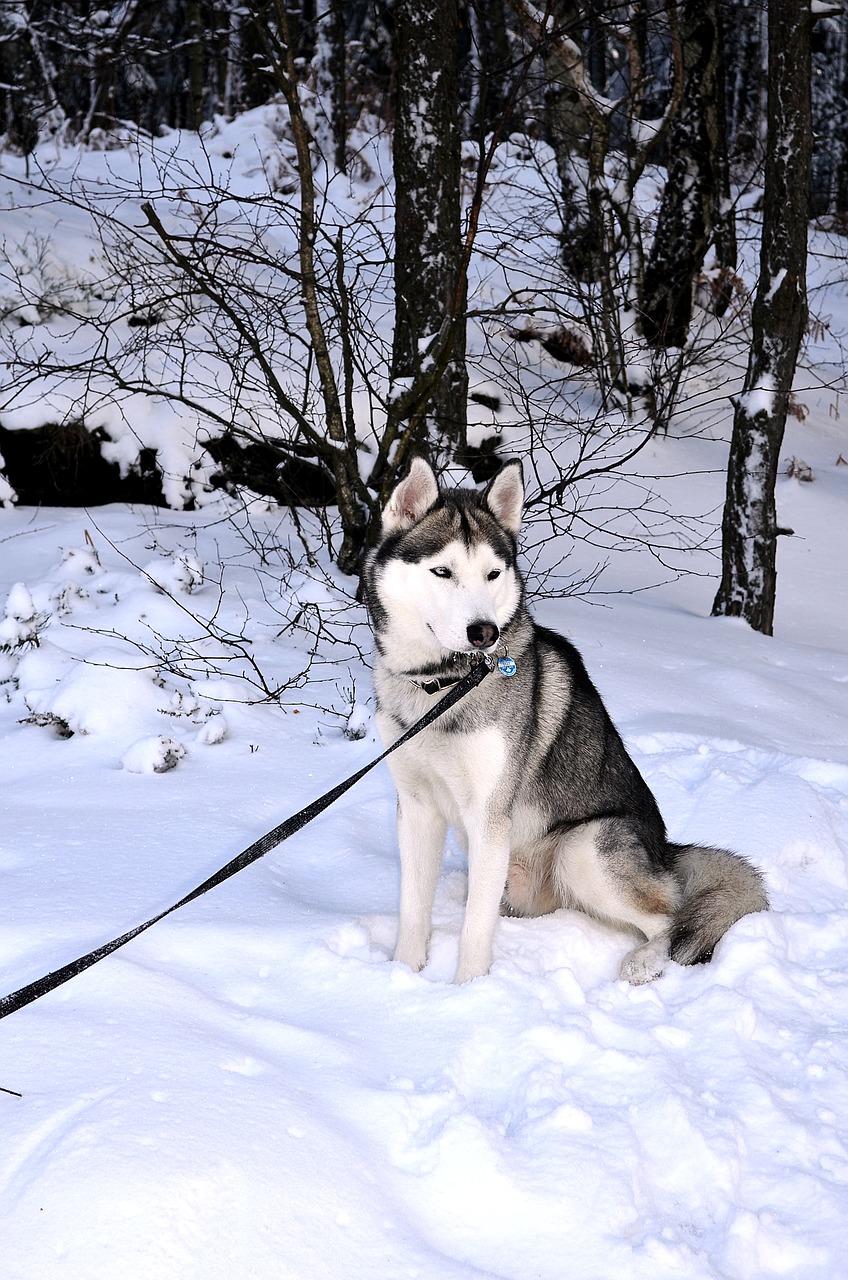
(412, 498)
(504, 496)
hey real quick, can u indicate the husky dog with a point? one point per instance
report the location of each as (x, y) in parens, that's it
(528, 768)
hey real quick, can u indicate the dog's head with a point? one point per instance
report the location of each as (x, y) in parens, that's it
(443, 577)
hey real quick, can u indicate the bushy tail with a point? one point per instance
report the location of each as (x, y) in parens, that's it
(718, 889)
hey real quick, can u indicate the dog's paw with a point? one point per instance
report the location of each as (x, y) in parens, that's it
(472, 965)
(464, 975)
(645, 963)
(413, 957)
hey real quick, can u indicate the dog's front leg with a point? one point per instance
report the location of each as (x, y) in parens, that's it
(488, 864)
(421, 836)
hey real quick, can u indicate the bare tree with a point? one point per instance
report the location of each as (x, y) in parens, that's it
(428, 243)
(749, 523)
(688, 210)
(266, 318)
(602, 147)
(261, 317)
(331, 84)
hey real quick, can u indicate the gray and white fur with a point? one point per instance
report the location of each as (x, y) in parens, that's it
(528, 769)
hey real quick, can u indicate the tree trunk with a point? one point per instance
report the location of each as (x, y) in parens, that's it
(487, 74)
(745, 28)
(830, 111)
(579, 137)
(749, 525)
(331, 85)
(196, 63)
(687, 211)
(724, 237)
(839, 179)
(428, 245)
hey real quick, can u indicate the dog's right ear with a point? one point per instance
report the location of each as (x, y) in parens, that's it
(412, 498)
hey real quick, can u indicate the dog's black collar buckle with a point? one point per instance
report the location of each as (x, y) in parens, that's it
(436, 686)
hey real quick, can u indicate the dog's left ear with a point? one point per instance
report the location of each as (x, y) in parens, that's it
(412, 498)
(504, 496)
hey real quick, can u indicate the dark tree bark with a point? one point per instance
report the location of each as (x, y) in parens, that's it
(688, 209)
(749, 525)
(745, 39)
(839, 180)
(724, 236)
(331, 82)
(579, 135)
(487, 76)
(428, 245)
(196, 63)
(830, 108)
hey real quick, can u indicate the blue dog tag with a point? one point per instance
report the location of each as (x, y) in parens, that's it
(506, 666)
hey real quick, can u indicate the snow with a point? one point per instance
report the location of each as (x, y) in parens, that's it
(252, 1087)
(759, 400)
(153, 755)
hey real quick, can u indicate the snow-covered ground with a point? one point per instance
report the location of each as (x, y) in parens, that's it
(252, 1088)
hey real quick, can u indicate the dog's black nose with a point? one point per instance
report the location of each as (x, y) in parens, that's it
(482, 634)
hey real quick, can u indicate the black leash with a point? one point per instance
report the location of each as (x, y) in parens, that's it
(34, 990)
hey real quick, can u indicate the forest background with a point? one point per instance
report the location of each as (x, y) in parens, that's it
(311, 343)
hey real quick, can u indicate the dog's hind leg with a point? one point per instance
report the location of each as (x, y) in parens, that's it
(421, 836)
(604, 868)
(530, 890)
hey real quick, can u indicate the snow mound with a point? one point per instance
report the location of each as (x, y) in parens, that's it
(105, 652)
(22, 622)
(182, 574)
(153, 755)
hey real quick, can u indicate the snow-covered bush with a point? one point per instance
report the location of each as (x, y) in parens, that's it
(22, 624)
(147, 657)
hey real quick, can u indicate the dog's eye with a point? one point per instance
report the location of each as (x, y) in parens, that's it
(496, 573)
(441, 571)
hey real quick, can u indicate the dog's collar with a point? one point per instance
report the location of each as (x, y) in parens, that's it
(504, 664)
